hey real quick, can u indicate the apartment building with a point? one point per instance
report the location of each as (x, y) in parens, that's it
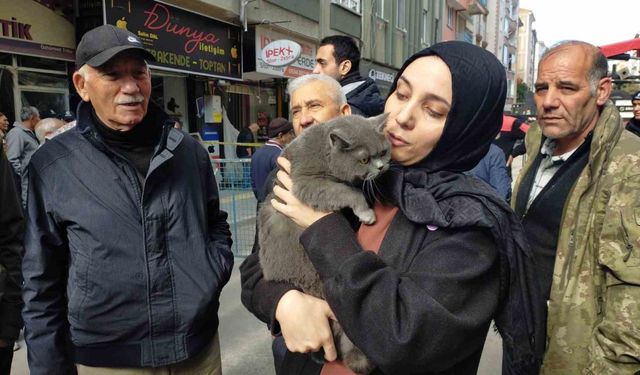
(502, 31)
(527, 42)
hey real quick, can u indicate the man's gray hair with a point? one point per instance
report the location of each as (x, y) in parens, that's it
(336, 90)
(26, 113)
(599, 66)
(46, 126)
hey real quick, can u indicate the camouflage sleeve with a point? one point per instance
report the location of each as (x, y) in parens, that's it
(615, 344)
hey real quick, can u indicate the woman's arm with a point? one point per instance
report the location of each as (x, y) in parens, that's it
(430, 310)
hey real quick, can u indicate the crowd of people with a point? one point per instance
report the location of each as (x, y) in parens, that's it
(114, 250)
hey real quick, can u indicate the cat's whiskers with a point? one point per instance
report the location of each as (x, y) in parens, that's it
(377, 191)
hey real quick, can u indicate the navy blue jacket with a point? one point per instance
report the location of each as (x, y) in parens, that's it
(492, 169)
(262, 163)
(365, 100)
(118, 273)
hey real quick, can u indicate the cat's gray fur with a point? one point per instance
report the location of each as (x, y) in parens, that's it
(329, 163)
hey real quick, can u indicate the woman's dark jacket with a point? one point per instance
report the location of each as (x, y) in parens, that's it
(130, 272)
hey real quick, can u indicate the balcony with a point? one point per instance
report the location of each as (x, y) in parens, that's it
(457, 4)
(513, 26)
(465, 36)
(478, 7)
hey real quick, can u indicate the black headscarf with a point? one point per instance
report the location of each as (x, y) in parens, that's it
(435, 192)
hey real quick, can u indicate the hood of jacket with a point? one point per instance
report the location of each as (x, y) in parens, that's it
(365, 99)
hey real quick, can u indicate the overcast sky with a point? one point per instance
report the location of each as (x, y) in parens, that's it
(597, 22)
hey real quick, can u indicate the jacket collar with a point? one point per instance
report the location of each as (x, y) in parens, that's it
(86, 127)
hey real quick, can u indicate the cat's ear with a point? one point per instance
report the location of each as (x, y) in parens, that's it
(379, 121)
(339, 139)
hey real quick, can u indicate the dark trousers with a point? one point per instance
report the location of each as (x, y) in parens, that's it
(6, 356)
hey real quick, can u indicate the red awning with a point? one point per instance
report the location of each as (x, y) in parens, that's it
(620, 47)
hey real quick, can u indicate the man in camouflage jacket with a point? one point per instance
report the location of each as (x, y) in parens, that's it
(593, 283)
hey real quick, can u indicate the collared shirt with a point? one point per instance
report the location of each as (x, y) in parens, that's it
(549, 165)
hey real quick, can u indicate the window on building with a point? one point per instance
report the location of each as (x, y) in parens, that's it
(353, 5)
(425, 25)
(450, 16)
(378, 6)
(401, 16)
(505, 56)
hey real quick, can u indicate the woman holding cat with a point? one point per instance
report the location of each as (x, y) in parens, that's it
(417, 290)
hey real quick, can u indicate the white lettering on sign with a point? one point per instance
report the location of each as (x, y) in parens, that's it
(280, 52)
(378, 75)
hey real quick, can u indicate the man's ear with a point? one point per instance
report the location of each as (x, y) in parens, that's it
(603, 91)
(80, 84)
(345, 109)
(344, 68)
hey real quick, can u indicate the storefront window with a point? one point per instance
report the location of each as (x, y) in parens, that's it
(6, 93)
(40, 63)
(5, 59)
(45, 101)
(41, 80)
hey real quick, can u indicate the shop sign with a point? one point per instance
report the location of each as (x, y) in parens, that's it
(280, 52)
(26, 28)
(379, 75)
(180, 40)
(299, 66)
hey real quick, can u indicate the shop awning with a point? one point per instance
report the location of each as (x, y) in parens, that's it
(614, 49)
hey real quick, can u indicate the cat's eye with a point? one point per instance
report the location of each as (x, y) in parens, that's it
(364, 161)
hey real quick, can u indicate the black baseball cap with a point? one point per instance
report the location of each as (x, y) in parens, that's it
(101, 44)
(636, 96)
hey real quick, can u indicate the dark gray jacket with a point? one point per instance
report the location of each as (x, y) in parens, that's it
(21, 144)
(365, 100)
(11, 233)
(131, 275)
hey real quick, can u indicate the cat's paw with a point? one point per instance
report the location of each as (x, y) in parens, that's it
(366, 216)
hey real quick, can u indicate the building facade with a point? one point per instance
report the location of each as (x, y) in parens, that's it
(502, 32)
(527, 43)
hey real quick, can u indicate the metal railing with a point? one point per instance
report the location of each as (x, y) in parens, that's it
(237, 199)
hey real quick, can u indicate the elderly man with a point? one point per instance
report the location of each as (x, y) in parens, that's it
(21, 144)
(578, 197)
(339, 58)
(280, 133)
(314, 99)
(45, 128)
(126, 248)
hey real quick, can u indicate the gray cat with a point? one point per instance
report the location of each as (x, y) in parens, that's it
(328, 164)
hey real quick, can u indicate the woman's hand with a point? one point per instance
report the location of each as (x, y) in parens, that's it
(304, 321)
(290, 206)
